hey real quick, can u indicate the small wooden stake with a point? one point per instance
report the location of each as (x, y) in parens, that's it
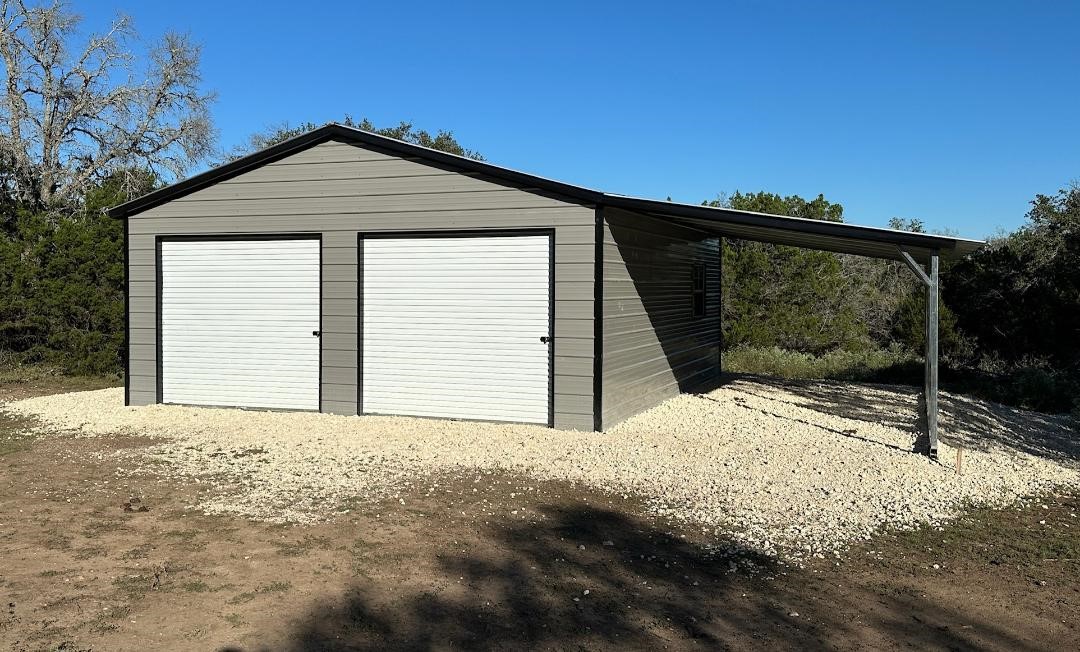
(959, 460)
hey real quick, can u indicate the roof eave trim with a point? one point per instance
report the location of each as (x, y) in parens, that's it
(786, 223)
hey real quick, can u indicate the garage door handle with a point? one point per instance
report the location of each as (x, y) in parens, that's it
(545, 339)
(317, 333)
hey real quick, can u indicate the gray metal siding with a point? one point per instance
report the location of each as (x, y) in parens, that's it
(653, 347)
(340, 189)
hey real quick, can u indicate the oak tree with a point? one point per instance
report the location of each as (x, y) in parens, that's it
(76, 108)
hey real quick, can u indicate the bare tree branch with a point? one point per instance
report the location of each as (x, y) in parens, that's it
(69, 120)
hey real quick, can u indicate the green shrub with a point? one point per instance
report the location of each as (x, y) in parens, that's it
(62, 283)
(1032, 384)
(839, 364)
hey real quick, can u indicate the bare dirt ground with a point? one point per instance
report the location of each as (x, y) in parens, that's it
(92, 558)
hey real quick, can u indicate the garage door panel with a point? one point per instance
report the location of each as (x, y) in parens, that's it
(464, 269)
(403, 403)
(212, 398)
(452, 327)
(237, 323)
(225, 343)
(448, 368)
(491, 387)
(238, 314)
(242, 296)
(204, 372)
(454, 248)
(505, 408)
(490, 317)
(242, 327)
(256, 395)
(429, 349)
(525, 285)
(469, 322)
(461, 301)
(264, 285)
(210, 367)
(451, 377)
(451, 337)
(444, 413)
(270, 396)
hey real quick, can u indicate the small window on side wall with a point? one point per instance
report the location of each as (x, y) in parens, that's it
(697, 291)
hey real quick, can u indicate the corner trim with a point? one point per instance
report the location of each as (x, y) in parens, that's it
(598, 320)
(719, 307)
(127, 316)
(158, 385)
(360, 323)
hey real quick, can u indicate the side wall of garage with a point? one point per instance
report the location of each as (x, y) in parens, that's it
(339, 189)
(654, 346)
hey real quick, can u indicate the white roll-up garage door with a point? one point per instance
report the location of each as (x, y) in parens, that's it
(457, 327)
(239, 323)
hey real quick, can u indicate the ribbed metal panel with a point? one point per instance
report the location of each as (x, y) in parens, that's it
(654, 348)
(455, 327)
(237, 323)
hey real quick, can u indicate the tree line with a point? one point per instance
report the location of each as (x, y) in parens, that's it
(1009, 313)
(90, 121)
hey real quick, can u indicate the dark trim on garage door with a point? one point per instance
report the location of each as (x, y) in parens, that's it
(233, 237)
(457, 233)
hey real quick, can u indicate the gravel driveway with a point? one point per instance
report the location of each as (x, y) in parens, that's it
(792, 469)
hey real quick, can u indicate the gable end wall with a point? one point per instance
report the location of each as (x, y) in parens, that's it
(338, 190)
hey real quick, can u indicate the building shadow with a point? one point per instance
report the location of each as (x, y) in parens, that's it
(661, 313)
(967, 422)
(590, 578)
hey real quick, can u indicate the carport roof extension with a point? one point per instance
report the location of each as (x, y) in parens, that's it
(800, 232)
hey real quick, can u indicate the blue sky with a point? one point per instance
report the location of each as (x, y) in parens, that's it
(956, 113)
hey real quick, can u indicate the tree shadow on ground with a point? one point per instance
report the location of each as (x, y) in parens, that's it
(965, 421)
(589, 578)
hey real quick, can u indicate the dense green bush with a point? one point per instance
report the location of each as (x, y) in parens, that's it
(62, 285)
(865, 365)
(1018, 301)
(1020, 297)
(1031, 384)
(786, 297)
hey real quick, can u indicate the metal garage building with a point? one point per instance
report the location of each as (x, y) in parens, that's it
(346, 272)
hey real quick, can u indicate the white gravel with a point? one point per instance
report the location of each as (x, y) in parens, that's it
(795, 470)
